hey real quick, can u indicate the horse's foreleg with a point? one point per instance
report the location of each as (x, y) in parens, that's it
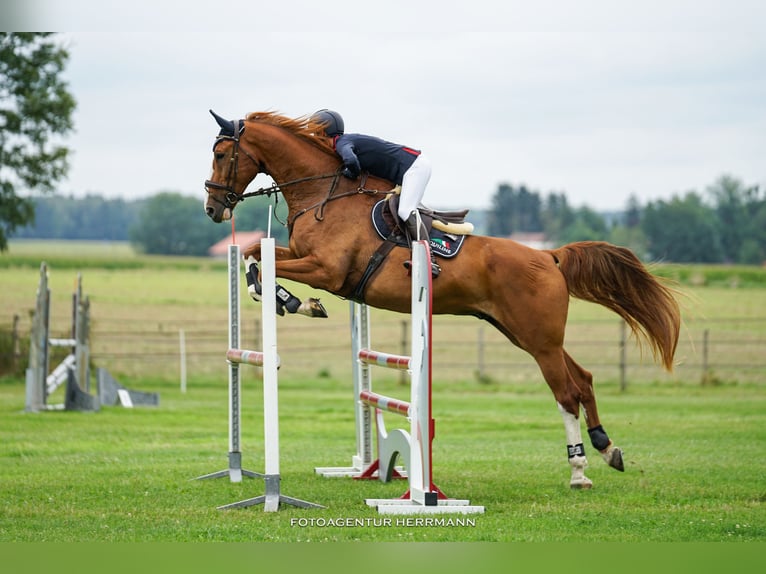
(598, 437)
(285, 300)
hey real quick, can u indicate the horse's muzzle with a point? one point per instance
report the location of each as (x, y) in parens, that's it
(218, 213)
(211, 213)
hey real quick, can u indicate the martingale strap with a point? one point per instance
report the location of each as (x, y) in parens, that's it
(372, 266)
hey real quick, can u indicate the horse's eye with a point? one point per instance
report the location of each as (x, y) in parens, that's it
(219, 156)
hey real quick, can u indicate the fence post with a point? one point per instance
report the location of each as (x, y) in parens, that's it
(15, 343)
(182, 345)
(623, 357)
(705, 365)
(480, 354)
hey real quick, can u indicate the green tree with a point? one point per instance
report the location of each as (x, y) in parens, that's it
(587, 226)
(89, 217)
(737, 210)
(759, 226)
(174, 224)
(729, 198)
(683, 230)
(513, 210)
(35, 106)
(629, 233)
(499, 221)
(253, 214)
(633, 212)
(556, 216)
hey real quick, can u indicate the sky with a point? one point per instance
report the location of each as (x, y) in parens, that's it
(599, 100)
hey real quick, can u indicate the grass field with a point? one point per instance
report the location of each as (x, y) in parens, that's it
(694, 454)
(694, 457)
(140, 304)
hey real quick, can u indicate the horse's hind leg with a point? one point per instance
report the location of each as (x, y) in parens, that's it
(583, 381)
(554, 369)
(575, 450)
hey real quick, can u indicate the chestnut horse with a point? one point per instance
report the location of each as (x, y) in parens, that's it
(523, 292)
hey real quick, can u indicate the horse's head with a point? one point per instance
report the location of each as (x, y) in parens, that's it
(230, 176)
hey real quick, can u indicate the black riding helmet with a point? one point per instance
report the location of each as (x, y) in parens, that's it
(332, 120)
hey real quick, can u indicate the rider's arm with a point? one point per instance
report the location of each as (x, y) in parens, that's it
(345, 148)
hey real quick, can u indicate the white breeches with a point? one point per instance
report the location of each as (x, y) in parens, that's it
(414, 186)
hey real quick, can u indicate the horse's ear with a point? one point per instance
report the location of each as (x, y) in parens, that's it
(227, 126)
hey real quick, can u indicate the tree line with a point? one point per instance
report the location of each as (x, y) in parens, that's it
(724, 224)
(167, 223)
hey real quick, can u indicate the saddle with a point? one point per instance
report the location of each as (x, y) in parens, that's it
(446, 229)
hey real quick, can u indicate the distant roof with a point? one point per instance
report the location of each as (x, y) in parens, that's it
(243, 238)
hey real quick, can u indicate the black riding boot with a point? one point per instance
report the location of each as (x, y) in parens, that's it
(412, 232)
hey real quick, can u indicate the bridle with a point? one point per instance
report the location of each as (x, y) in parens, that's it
(231, 198)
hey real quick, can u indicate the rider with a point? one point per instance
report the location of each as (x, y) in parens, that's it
(399, 164)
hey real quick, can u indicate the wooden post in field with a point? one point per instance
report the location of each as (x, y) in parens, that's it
(15, 342)
(623, 356)
(182, 345)
(705, 365)
(480, 352)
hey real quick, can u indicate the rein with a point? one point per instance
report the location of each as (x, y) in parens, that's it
(320, 205)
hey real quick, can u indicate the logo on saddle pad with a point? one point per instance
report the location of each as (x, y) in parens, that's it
(443, 244)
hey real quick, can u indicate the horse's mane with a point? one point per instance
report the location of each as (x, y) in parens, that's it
(302, 127)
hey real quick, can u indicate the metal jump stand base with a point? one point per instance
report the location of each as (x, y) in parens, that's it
(235, 471)
(272, 498)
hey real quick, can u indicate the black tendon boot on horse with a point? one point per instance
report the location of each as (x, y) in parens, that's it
(415, 229)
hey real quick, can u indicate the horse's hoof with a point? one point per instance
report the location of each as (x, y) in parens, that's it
(613, 457)
(583, 483)
(313, 308)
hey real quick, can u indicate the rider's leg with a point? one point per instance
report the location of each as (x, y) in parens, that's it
(413, 188)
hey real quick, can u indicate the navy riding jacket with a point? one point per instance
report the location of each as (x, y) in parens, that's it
(376, 156)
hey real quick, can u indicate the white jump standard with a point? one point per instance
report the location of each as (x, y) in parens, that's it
(269, 360)
(235, 472)
(413, 446)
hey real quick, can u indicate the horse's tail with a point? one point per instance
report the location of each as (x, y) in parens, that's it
(614, 277)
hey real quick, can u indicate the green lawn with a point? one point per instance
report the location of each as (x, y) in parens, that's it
(694, 468)
(694, 454)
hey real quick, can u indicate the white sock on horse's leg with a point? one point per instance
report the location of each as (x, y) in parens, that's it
(575, 450)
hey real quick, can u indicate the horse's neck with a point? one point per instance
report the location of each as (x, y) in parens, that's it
(287, 158)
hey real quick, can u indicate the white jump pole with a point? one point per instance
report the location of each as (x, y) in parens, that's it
(269, 360)
(235, 472)
(422, 497)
